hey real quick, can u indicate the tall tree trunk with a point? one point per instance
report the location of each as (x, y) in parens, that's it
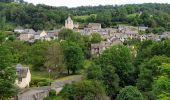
(68, 71)
(1, 97)
(73, 71)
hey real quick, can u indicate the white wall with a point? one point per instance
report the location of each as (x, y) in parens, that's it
(25, 81)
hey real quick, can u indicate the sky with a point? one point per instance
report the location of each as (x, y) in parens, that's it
(75, 3)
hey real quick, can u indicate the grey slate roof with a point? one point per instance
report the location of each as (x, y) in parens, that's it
(22, 71)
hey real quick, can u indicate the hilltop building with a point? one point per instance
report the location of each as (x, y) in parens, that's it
(69, 23)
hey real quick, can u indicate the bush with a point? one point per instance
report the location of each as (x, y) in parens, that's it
(52, 93)
(36, 82)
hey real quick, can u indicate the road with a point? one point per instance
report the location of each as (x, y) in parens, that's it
(40, 92)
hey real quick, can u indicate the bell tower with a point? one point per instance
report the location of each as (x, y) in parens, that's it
(69, 23)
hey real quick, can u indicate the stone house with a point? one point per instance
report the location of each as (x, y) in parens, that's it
(40, 35)
(19, 29)
(142, 37)
(165, 35)
(97, 48)
(95, 26)
(142, 28)
(27, 34)
(53, 34)
(23, 76)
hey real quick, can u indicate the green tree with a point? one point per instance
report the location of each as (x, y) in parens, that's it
(96, 38)
(110, 80)
(160, 86)
(150, 70)
(65, 34)
(73, 56)
(94, 72)
(37, 54)
(2, 37)
(84, 90)
(104, 17)
(54, 58)
(7, 73)
(120, 57)
(129, 93)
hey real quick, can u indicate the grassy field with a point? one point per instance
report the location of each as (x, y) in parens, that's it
(40, 74)
(83, 17)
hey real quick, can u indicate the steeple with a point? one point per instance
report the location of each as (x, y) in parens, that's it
(69, 23)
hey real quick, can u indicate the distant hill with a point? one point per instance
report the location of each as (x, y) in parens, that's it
(47, 17)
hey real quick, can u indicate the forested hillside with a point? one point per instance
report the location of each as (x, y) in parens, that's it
(12, 14)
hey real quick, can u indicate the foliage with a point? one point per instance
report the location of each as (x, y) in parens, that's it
(94, 72)
(2, 37)
(150, 70)
(52, 96)
(96, 38)
(84, 90)
(129, 93)
(37, 82)
(111, 81)
(54, 58)
(37, 54)
(7, 73)
(41, 17)
(160, 86)
(73, 56)
(119, 57)
(64, 34)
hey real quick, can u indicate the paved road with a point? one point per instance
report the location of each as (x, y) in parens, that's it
(40, 92)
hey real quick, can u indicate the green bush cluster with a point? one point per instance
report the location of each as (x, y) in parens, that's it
(36, 82)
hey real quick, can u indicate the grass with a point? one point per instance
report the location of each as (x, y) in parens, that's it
(45, 75)
(40, 74)
(67, 77)
(132, 15)
(82, 17)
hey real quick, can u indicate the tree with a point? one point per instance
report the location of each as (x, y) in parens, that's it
(84, 90)
(96, 38)
(104, 17)
(150, 70)
(94, 72)
(54, 58)
(19, 50)
(73, 56)
(129, 93)
(7, 1)
(37, 54)
(161, 88)
(65, 34)
(110, 80)
(161, 84)
(2, 37)
(120, 57)
(7, 73)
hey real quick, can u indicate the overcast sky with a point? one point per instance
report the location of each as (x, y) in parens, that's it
(75, 3)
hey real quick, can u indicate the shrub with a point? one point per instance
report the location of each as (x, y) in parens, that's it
(52, 93)
(36, 82)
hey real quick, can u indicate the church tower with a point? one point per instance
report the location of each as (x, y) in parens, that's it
(69, 23)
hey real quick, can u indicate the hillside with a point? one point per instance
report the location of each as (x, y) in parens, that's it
(41, 17)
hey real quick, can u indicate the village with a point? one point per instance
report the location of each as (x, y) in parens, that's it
(111, 36)
(84, 50)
